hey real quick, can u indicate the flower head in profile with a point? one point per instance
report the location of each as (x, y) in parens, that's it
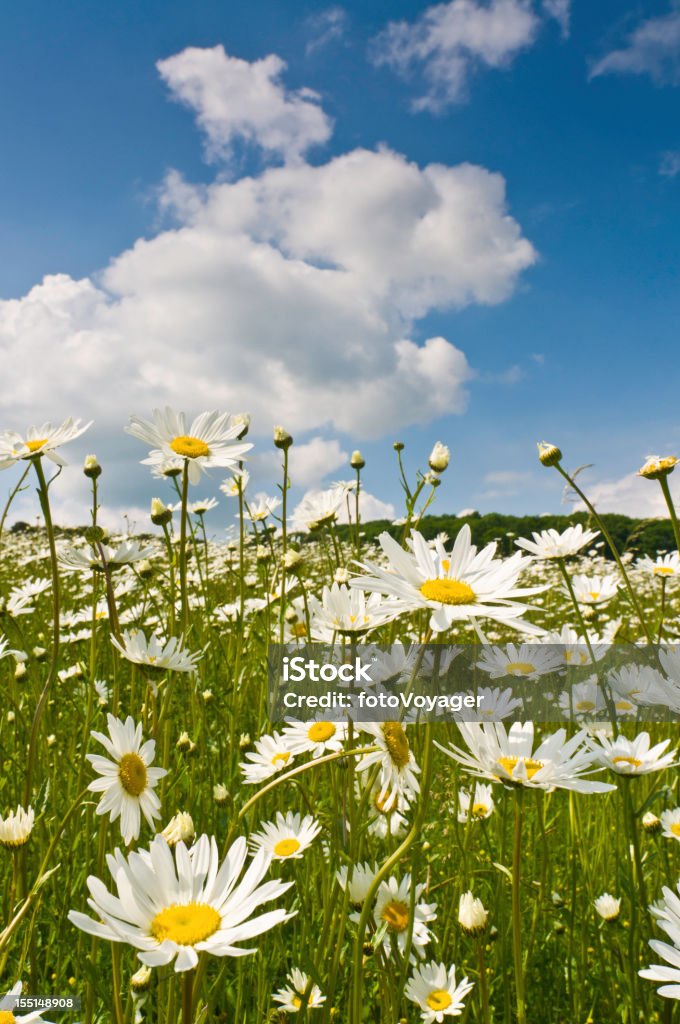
(510, 758)
(663, 567)
(397, 765)
(348, 611)
(97, 558)
(478, 806)
(155, 654)
(287, 837)
(127, 779)
(317, 509)
(271, 755)
(667, 914)
(551, 544)
(37, 441)
(456, 586)
(299, 993)
(657, 466)
(8, 1005)
(174, 904)
(16, 828)
(433, 989)
(211, 440)
(607, 906)
(631, 757)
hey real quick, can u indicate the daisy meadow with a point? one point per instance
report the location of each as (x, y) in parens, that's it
(173, 905)
(127, 778)
(210, 441)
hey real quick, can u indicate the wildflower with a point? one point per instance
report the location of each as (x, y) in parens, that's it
(8, 1004)
(356, 880)
(317, 509)
(398, 768)
(271, 755)
(99, 557)
(663, 566)
(141, 980)
(393, 908)
(482, 803)
(631, 757)
(433, 988)
(594, 590)
(220, 794)
(315, 737)
(127, 778)
(651, 823)
(91, 467)
(439, 458)
(549, 454)
(16, 828)
(551, 544)
(160, 513)
(607, 906)
(667, 914)
(153, 654)
(656, 467)
(282, 438)
(349, 612)
(299, 993)
(288, 836)
(38, 441)
(180, 828)
(357, 461)
(173, 905)
(472, 916)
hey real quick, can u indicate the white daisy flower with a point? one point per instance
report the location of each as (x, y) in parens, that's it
(663, 566)
(210, 441)
(315, 737)
(37, 441)
(594, 590)
(583, 700)
(552, 544)
(463, 585)
(299, 993)
(508, 757)
(93, 558)
(127, 778)
(236, 484)
(261, 508)
(667, 913)
(631, 757)
(482, 803)
(524, 661)
(356, 880)
(393, 908)
(8, 1004)
(398, 768)
(573, 648)
(607, 906)
(670, 822)
(154, 653)
(317, 509)
(433, 988)
(349, 612)
(472, 915)
(287, 837)
(494, 705)
(16, 828)
(173, 905)
(271, 755)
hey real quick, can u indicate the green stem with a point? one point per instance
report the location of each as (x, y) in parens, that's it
(183, 549)
(663, 483)
(187, 997)
(517, 909)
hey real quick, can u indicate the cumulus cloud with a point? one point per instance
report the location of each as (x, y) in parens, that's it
(237, 99)
(449, 41)
(652, 48)
(308, 463)
(631, 495)
(294, 293)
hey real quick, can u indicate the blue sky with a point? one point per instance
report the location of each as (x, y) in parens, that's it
(579, 117)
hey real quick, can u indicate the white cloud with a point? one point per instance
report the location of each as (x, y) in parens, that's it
(652, 48)
(294, 294)
(560, 10)
(669, 166)
(325, 27)
(308, 463)
(370, 507)
(234, 99)
(631, 495)
(449, 41)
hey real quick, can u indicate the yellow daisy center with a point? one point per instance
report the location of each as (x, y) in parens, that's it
(509, 763)
(675, 828)
(439, 999)
(594, 594)
(186, 924)
(296, 1001)
(520, 668)
(623, 705)
(319, 732)
(585, 705)
(632, 761)
(7, 1017)
(34, 446)
(663, 570)
(281, 757)
(479, 810)
(189, 447)
(299, 629)
(447, 591)
(396, 743)
(132, 774)
(286, 847)
(395, 914)
(380, 802)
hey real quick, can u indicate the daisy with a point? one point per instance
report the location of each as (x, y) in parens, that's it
(98, 559)
(482, 803)
(631, 757)
(393, 908)
(173, 905)
(315, 737)
(607, 906)
(271, 755)
(496, 704)
(584, 699)
(299, 993)
(8, 1004)
(573, 648)
(472, 915)
(288, 836)
(525, 661)
(455, 587)
(667, 913)
(350, 612)
(594, 590)
(657, 466)
(670, 822)
(317, 509)
(433, 988)
(398, 768)
(211, 440)
(356, 881)
(236, 484)
(16, 828)
(38, 441)
(508, 757)
(664, 566)
(261, 508)
(127, 780)
(5, 650)
(635, 684)
(386, 820)
(552, 544)
(154, 653)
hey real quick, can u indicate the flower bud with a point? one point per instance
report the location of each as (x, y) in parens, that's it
(160, 513)
(432, 479)
(608, 907)
(657, 467)
(20, 670)
(293, 559)
(439, 457)
(549, 454)
(220, 794)
(357, 461)
(244, 419)
(184, 742)
(141, 979)
(398, 446)
(180, 828)
(91, 467)
(341, 575)
(472, 916)
(651, 823)
(282, 438)
(144, 568)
